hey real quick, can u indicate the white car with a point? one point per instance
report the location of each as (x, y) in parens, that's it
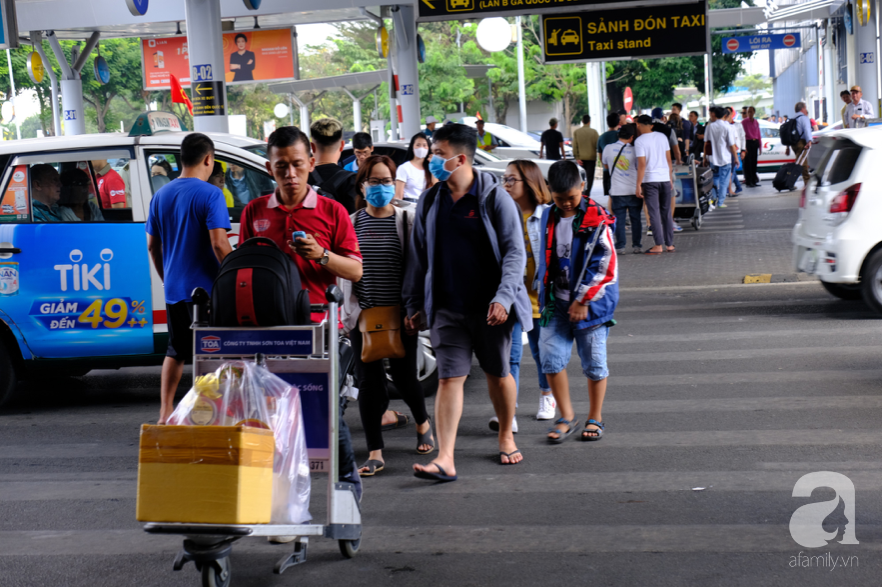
(397, 151)
(511, 143)
(838, 236)
(772, 152)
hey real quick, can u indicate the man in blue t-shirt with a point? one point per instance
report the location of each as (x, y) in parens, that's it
(187, 239)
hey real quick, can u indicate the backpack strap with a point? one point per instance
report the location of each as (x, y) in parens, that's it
(245, 313)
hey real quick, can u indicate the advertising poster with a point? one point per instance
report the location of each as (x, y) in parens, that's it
(249, 56)
(16, 204)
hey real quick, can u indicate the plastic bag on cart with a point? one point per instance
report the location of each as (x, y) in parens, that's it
(244, 393)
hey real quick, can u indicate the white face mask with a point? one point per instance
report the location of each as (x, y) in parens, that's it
(420, 152)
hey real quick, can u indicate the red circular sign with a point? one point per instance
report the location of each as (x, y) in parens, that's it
(789, 40)
(629, 99)
(732, 45)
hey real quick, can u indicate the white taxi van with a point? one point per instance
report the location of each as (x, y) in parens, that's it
(77, 289)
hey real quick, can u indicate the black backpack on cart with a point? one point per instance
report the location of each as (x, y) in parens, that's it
(258, 285)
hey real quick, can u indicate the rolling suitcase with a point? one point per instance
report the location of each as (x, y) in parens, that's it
(785, 179)
(258, 285)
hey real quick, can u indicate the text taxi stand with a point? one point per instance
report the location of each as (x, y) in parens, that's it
(307, 357)
(609, 35)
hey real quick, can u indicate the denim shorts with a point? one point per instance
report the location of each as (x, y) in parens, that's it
(556, 346)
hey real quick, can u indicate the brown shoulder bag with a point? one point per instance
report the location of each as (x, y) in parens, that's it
(381, 333)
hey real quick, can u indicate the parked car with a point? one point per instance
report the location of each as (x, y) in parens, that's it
(772, 152)
(484, 161)
(837, 236)
(511, 142)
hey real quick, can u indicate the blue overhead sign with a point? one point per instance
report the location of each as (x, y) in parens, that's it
(760, 43)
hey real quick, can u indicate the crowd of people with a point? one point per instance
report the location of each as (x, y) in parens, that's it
(476, 262)
(447, 248)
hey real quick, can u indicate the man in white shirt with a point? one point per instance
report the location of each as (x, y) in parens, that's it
(857, 113)
(654, 171)
(722, 146)
(620, 163)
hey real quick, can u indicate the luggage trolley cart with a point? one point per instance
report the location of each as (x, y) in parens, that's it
(305, 356)
(692, 187)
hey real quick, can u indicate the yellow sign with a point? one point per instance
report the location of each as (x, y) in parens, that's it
(460, 5)
(383, 42)
(563, 35)
(35, 67)
(863, 11)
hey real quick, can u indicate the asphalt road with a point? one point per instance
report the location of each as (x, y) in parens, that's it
(721, 397)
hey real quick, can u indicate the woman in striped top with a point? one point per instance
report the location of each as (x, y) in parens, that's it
(383, 230)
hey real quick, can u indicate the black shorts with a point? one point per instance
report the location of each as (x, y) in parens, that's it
(180, 332)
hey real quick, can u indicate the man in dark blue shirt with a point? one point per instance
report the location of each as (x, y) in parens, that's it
(465, 281)
(187, 238)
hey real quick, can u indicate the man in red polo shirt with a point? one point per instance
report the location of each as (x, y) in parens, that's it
(330, 248)
(111, 187)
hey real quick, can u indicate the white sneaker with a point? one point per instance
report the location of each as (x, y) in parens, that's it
(494, 424)
(547, 408)
(280, 539)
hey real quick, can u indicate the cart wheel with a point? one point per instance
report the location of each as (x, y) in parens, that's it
(217, 575)
(348, 548)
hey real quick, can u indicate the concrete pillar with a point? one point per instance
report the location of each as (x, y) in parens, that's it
(595, 95)
(205, 44)
(522, 92)
(72, 107)
(834, 104)
(866, 75)
(851, 59)
(408, 70)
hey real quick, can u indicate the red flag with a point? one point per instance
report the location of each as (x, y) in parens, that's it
(179, 96)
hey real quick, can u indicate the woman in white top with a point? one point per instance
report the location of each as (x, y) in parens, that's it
(413, 177)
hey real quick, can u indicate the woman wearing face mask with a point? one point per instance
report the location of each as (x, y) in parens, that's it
(414, 177)
(383, 229)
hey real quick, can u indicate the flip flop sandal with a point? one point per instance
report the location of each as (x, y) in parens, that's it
(651, 252)
(441, 476)
(509, 455)
(599, 433)
(426, 438)
(373, 467)
(671, 250)
(562, 434)
(400, 423)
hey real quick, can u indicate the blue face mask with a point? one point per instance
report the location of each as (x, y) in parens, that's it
(379, 196)
(436, 168)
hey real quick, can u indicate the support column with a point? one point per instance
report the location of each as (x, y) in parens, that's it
(595, 106)
(522, 91)
(205, 44)
(37, 37)
(408, 70)
(834, 104)
(708, 82)
(866, 76)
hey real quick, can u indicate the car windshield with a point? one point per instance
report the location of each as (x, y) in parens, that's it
(484, 156)
(512, 136)
(258, 149)
(837, 162)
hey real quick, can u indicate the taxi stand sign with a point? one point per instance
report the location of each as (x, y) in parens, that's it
(610, 35)
(435, 10)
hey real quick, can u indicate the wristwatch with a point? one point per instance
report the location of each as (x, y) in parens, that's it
(326, 256)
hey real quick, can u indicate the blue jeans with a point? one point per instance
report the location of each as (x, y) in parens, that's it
(721, 181)
(517, 351)
(735, 175)
(556, 345)
(633, 206)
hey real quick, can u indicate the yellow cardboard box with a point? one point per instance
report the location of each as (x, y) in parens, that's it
(205, 474)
